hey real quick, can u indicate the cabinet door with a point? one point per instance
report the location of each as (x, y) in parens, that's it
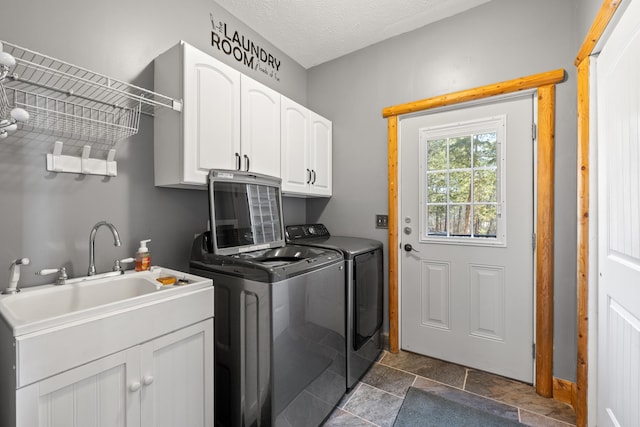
(260, 128)
(320, 155)
(296, 173)
(211, 116)
(101, 393)
(177, 378)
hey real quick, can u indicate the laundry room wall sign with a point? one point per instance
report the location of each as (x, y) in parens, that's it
(243, 49)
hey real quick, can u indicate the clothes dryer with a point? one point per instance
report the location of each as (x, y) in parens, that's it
(364, 292)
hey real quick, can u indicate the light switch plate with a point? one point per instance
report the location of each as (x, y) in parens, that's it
(382, 221)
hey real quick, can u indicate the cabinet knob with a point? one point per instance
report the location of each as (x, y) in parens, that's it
(147, 379)
(134, 386)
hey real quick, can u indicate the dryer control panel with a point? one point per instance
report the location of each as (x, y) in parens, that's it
(306, 231)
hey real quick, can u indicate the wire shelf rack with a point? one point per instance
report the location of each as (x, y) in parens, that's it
(72, 101)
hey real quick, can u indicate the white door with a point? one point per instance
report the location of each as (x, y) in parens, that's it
(467, 202)
(618, 120)
(177, 378)
(295, 169)
(260, 128)
(100, 393)
(320, 161)
(211, 116)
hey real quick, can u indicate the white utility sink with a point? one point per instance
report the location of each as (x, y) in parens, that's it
(40, 307)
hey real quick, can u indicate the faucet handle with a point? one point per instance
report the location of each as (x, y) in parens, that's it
(14, 275)
(62, 274)
(118, 267)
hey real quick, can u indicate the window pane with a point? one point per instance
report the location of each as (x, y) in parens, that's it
(437, 187)
(460, 152)
(485, 186)
(485, 150)
(485, 223)
(437, 225)
(460, 187)
(460, 219)
(437, 155)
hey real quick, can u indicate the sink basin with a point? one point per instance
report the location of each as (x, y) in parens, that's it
(40, 307)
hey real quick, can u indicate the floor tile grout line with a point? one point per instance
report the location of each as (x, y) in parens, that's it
(547, 417)
(464, 382)
(352, 392)
(359, 417)
(374, 387)
(465, 391)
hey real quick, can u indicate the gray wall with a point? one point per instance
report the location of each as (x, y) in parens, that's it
(47, 216)
(497, 41)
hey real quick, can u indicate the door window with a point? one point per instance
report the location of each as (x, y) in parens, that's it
(462, 190)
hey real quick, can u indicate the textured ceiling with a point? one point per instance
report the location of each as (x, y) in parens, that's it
(315, 31)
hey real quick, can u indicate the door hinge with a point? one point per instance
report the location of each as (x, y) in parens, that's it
(534, 131)
(533, 352)
(533, 241)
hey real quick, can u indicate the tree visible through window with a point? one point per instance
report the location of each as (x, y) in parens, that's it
(462, 182)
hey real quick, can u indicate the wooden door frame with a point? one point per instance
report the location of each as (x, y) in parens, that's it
(582, 62)
(545, 84)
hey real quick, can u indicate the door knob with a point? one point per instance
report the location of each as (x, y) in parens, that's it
(409, 248)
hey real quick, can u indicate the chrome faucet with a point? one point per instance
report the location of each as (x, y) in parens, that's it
(92, 244)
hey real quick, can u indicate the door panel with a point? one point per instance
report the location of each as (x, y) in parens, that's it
(618, 94)
(467, 291)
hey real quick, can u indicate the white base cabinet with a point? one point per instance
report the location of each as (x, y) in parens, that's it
(306, 149)
(164, 382)
(229, 121)
(146, 364)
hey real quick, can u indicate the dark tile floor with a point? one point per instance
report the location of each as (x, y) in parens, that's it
(377, 398)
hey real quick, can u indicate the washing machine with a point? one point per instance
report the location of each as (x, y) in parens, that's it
(364, 292)
(279, 309)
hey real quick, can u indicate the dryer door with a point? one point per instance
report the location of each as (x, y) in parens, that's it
(368, 284)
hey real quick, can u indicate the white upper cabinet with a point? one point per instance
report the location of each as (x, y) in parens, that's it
(306, 151)
(229, 121)
(260, 128)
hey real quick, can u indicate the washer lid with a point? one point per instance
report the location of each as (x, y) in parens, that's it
(245, 212)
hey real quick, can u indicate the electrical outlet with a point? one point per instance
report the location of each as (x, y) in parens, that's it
(382, 221)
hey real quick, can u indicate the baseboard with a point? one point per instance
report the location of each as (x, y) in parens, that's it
(564, 391)
(384, 338)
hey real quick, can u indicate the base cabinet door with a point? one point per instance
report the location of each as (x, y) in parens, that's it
(177, 378)
(101, 393)
(164, 382)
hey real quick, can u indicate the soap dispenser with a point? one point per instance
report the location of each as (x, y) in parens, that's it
(143, 258)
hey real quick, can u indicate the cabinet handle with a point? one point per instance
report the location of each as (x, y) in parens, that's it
(308, 176)
(134, 386)
(237, 161)
(246, 162)
(147, 379)
(314, 177)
